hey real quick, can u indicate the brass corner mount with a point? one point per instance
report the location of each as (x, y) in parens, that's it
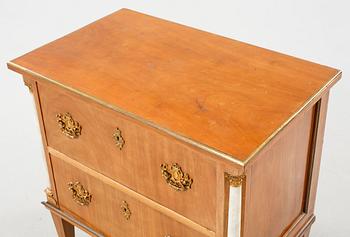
(28, 84)
(50, 196)
(235, 180)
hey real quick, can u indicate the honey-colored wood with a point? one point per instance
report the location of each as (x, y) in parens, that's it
(306, 233)
(33, 87)
(166, 73)
(316, 153)
(221, 202)
(313, 168)
(104, 212)
(63, 228)
(178, 95)
(71, 220)
(277, 187)
(166, 211)
(305, 228)
(137, 165)
(294, 154)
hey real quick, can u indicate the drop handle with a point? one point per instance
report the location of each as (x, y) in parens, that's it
(68, 126)
(79, 194)
(175, 177)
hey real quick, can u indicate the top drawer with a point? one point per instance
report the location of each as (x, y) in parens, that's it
(153, 164)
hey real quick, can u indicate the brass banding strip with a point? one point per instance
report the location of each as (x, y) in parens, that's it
(180, 137)
(185, 139)
(306, 104)
(148, 202)
(55, 211)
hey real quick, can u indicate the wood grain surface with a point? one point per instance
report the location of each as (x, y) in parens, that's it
(104, 212)
(225, 94)
(137, 165)
(185, 96)
(63, 228)
(278, 181)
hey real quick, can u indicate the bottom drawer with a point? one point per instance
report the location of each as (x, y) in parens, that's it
(108, 210)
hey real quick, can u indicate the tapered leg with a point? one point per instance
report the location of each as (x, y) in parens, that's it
(63, 228)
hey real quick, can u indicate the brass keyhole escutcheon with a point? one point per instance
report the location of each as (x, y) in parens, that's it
(124, 207)
(118, 138)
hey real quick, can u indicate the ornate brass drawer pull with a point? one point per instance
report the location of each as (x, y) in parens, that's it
(68, 126)
(124, 207)
(118, 139)
(175, 177)
(79, 193)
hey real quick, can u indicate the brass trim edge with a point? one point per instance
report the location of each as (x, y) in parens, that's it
(133, 116)
(270, 138)
(56, 211)
(133, 194)
(174, 134)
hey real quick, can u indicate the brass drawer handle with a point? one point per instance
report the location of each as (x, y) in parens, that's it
(79, 193)
(175, 177)
(68, 126)
(124, 207)
(118, 138)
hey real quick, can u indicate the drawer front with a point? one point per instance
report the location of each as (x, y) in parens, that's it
(155, 165)
(108, 210)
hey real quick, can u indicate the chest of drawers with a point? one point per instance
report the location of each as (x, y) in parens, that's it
(152, 128)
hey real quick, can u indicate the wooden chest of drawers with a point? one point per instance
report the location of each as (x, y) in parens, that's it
(152, 128)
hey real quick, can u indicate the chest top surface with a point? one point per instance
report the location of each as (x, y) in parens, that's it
(215, 92)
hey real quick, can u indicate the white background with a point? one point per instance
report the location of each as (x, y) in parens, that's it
(315, 30)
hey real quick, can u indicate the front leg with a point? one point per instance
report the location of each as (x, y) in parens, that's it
(63, 228)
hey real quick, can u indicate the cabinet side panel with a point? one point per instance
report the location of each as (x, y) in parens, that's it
(278, 181)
